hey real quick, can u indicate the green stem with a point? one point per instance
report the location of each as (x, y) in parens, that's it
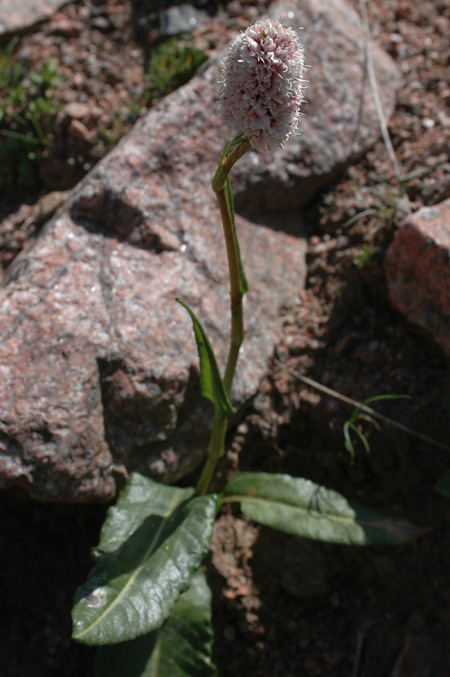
(216, 447)
(237, 322)
(226, 164)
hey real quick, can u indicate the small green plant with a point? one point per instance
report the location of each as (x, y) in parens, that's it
(366, 259)
(360, 413)
(147, 595)
(171, 65)
(118, 127)
(28, 109)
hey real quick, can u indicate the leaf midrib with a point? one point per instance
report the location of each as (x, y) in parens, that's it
(308, 511)
(136, 572)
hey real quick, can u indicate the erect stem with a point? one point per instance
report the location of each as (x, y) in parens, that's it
(216, 447)
(237, 321)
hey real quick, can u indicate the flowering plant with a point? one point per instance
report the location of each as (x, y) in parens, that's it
(147, 595)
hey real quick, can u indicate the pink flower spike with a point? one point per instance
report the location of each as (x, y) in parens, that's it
(262, 84)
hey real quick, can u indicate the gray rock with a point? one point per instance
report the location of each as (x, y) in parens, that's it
(418, 271)
(180, 19)
(340, 121)
(19, 17)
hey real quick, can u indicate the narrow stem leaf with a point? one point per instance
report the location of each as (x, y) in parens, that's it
(211, 383)
(230, 200)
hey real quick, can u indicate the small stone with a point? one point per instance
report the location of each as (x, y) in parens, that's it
(101, 22)
(180, 19)
(77, 110)
(79, 131)
(65, 27)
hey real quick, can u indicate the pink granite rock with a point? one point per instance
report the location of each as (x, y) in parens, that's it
(98, 363)
(20, 16)
(418, 271)
(340, 121)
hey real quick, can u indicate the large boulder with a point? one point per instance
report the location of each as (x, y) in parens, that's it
(98, 363)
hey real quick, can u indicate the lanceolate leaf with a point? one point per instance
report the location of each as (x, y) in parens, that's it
(210, 379)
(298, 506)
(151, 543)
(242, 276)
(180, 648)
(349, 425)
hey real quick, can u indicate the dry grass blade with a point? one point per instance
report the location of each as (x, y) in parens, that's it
(376, 96)
(362, 406)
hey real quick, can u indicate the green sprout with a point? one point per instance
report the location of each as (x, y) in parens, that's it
(366, 259)
(358, 415)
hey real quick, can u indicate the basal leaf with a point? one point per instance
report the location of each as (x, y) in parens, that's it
(210, 379)
(301, 507)
(242, 277)
(150, 545)
(180, 648)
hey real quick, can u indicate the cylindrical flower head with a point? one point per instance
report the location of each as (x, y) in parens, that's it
(262, 86)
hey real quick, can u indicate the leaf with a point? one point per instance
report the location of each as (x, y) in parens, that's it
(150, 545)
(235, 141)
(348, 442)
(210, 379)
(443, 485)
(180, 648)
(242, 277)
(377, 398)
(301, 507)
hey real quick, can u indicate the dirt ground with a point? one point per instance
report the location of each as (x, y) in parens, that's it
(282, 606)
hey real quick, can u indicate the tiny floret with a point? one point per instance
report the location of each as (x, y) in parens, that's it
(262, 84)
